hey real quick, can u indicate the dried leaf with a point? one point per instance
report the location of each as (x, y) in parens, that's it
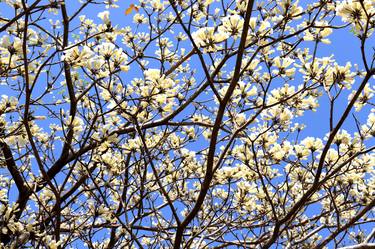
(131, 8)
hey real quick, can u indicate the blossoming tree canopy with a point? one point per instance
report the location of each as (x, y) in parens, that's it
(187, 124)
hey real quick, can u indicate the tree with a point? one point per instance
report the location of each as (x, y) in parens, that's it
(189, 127)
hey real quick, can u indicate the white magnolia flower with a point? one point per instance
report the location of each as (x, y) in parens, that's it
(208, 39)
(232, 25)
(104, 16)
